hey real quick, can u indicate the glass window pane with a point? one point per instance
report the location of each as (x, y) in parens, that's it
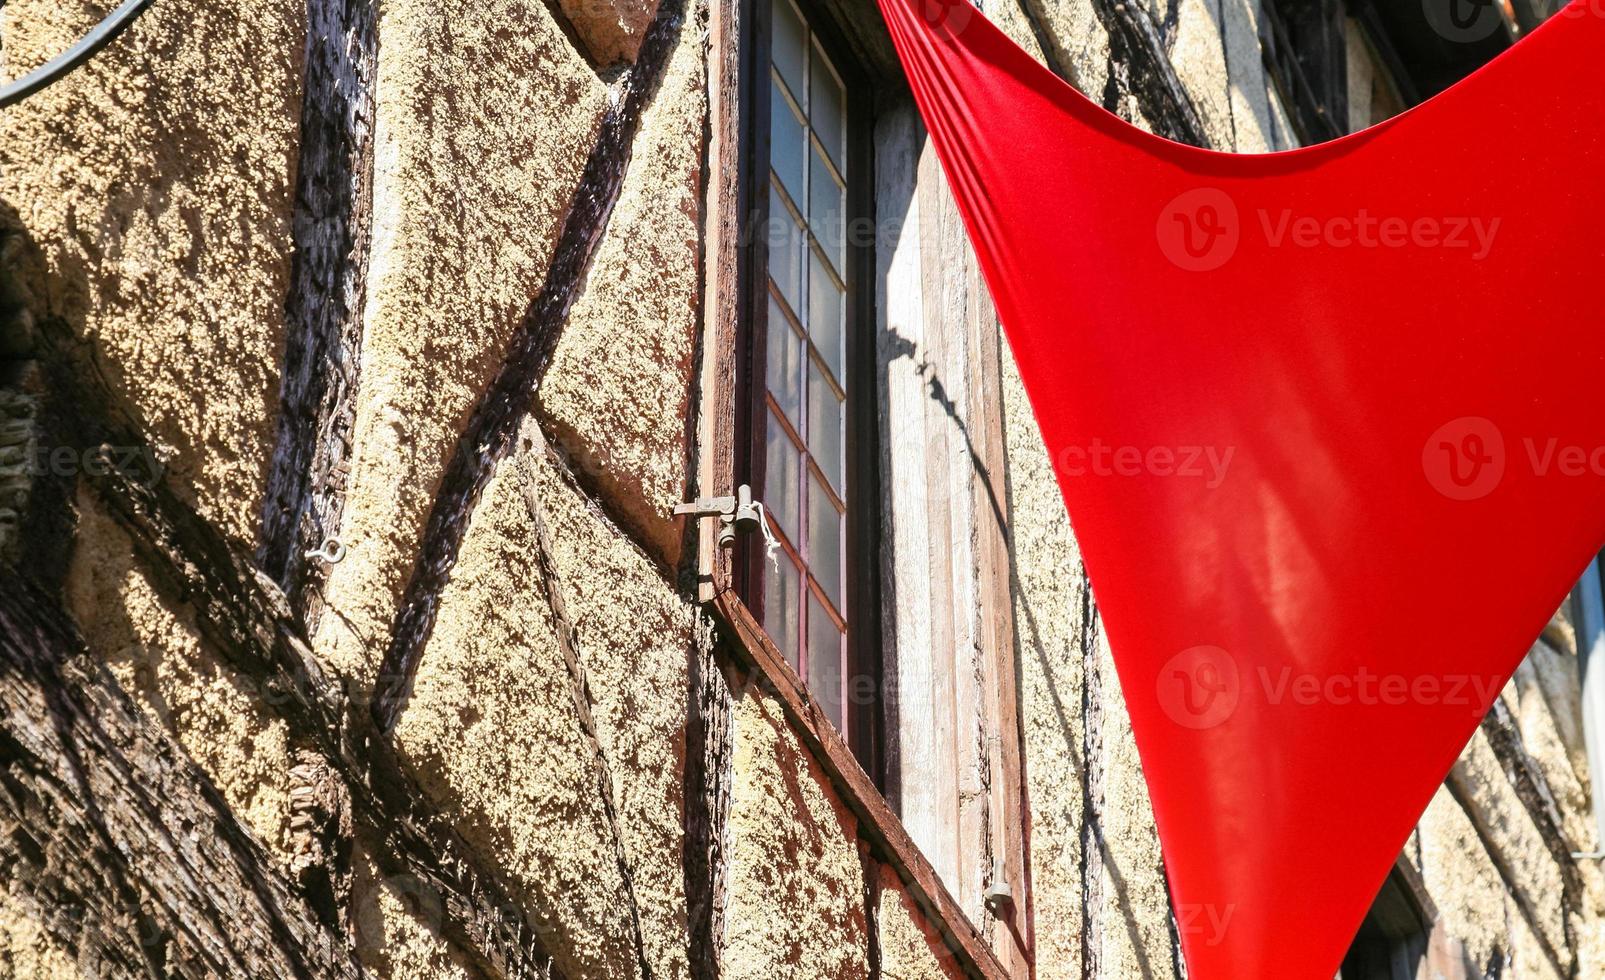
(825, 427)
(786, 250)
(788, 141)
(785, 356)
(827, 211)
(825, 317)
(781, 467)
(825, 544)
(790, 46)
(781, 600)
(824, 661)
(827, 109)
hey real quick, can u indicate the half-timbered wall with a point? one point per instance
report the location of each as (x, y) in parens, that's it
(353, 356)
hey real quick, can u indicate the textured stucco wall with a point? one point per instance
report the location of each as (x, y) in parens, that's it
(156, 181)
(155, 186)
(476, 157)
(618, 394)
(796, 905)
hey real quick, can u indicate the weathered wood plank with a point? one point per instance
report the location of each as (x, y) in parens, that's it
(918, 634)
(248, 621)
(1010, 816)
(121, 845)
(709, 778)
(723, 257)
(323, 314)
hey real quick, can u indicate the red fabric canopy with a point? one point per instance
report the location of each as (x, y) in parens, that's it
(1330, 428)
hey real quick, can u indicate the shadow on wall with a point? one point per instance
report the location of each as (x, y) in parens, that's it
(42, 449)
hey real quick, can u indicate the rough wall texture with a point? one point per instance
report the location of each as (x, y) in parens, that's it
(796, 905)
(156, 181)
(610, 30)
(909, 948)
(154, 187)
(618, 393)
(476, 157)
(549, 719)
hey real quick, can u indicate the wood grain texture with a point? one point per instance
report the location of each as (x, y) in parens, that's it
(323, 314)
(723, 300)
(1011, 817)
(709, 778)
(116, 841)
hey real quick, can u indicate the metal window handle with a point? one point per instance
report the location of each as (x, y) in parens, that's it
(739, 514)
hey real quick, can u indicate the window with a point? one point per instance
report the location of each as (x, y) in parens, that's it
(812, 418)
(1302, 42)
(856, 377)
(1393, 940)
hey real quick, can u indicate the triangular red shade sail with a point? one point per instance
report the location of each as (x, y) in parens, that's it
(1330, 427)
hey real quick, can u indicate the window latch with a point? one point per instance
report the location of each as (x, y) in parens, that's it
(739, 514)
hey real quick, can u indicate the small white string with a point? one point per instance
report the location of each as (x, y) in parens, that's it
(770, 544)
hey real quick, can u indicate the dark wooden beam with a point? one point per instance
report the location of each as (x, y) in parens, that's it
(323, 314)
(116, 841)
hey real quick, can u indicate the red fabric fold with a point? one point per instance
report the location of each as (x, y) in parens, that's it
(1392, 345)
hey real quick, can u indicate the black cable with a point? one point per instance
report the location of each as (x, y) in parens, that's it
(103, 34)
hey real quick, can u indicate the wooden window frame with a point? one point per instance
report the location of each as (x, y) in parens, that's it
(724, 447)
(861, 585)
(1302, 43)
(1398, 927)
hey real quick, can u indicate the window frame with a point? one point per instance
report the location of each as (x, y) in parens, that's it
(978, 936)
(1396, 934)
(1311, 78)
(861, 567)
